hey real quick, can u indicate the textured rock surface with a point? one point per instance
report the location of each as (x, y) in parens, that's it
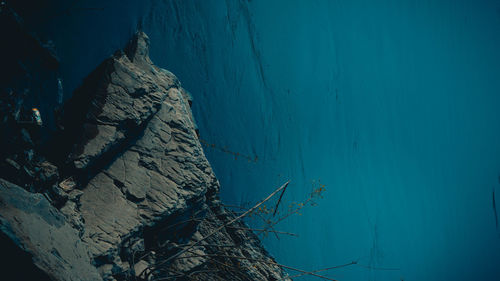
(41, 230)
(137, 187)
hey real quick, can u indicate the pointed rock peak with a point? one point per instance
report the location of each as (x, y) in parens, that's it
(137, 49)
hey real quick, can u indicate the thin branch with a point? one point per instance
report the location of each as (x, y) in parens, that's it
(262, 261)
(176, 255)
(169, 277)
(290, 213)
(201, 271)
(179, 274)
(212, 259)
(325, 269)
(264, 230)
(272, 227)
(208, 245)
(279, 201)
(260, 216)
(234, 206)
(257, 229)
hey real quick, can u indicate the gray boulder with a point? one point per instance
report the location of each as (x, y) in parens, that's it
(41, 230)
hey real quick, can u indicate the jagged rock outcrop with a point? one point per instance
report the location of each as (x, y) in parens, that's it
(134, 188)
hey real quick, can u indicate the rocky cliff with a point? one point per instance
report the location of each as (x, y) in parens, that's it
(121, 187)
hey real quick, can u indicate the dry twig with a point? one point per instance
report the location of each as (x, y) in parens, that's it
(176, 255)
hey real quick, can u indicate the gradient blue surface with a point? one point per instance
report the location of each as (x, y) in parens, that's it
(394, 105)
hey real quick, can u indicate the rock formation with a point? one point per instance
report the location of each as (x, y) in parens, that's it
(125, 186)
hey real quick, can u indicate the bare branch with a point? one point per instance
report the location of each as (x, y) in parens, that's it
(279, 200)
(176, 255)
(265, 230)
(256, 229)
(325, 269)
(260, 216)
(262, 261)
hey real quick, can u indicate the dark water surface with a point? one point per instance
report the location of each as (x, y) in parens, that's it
(393, 105)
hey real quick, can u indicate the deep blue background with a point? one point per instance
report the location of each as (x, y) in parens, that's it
(394, 105)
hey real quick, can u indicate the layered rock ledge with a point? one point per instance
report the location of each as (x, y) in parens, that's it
(128, 187)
